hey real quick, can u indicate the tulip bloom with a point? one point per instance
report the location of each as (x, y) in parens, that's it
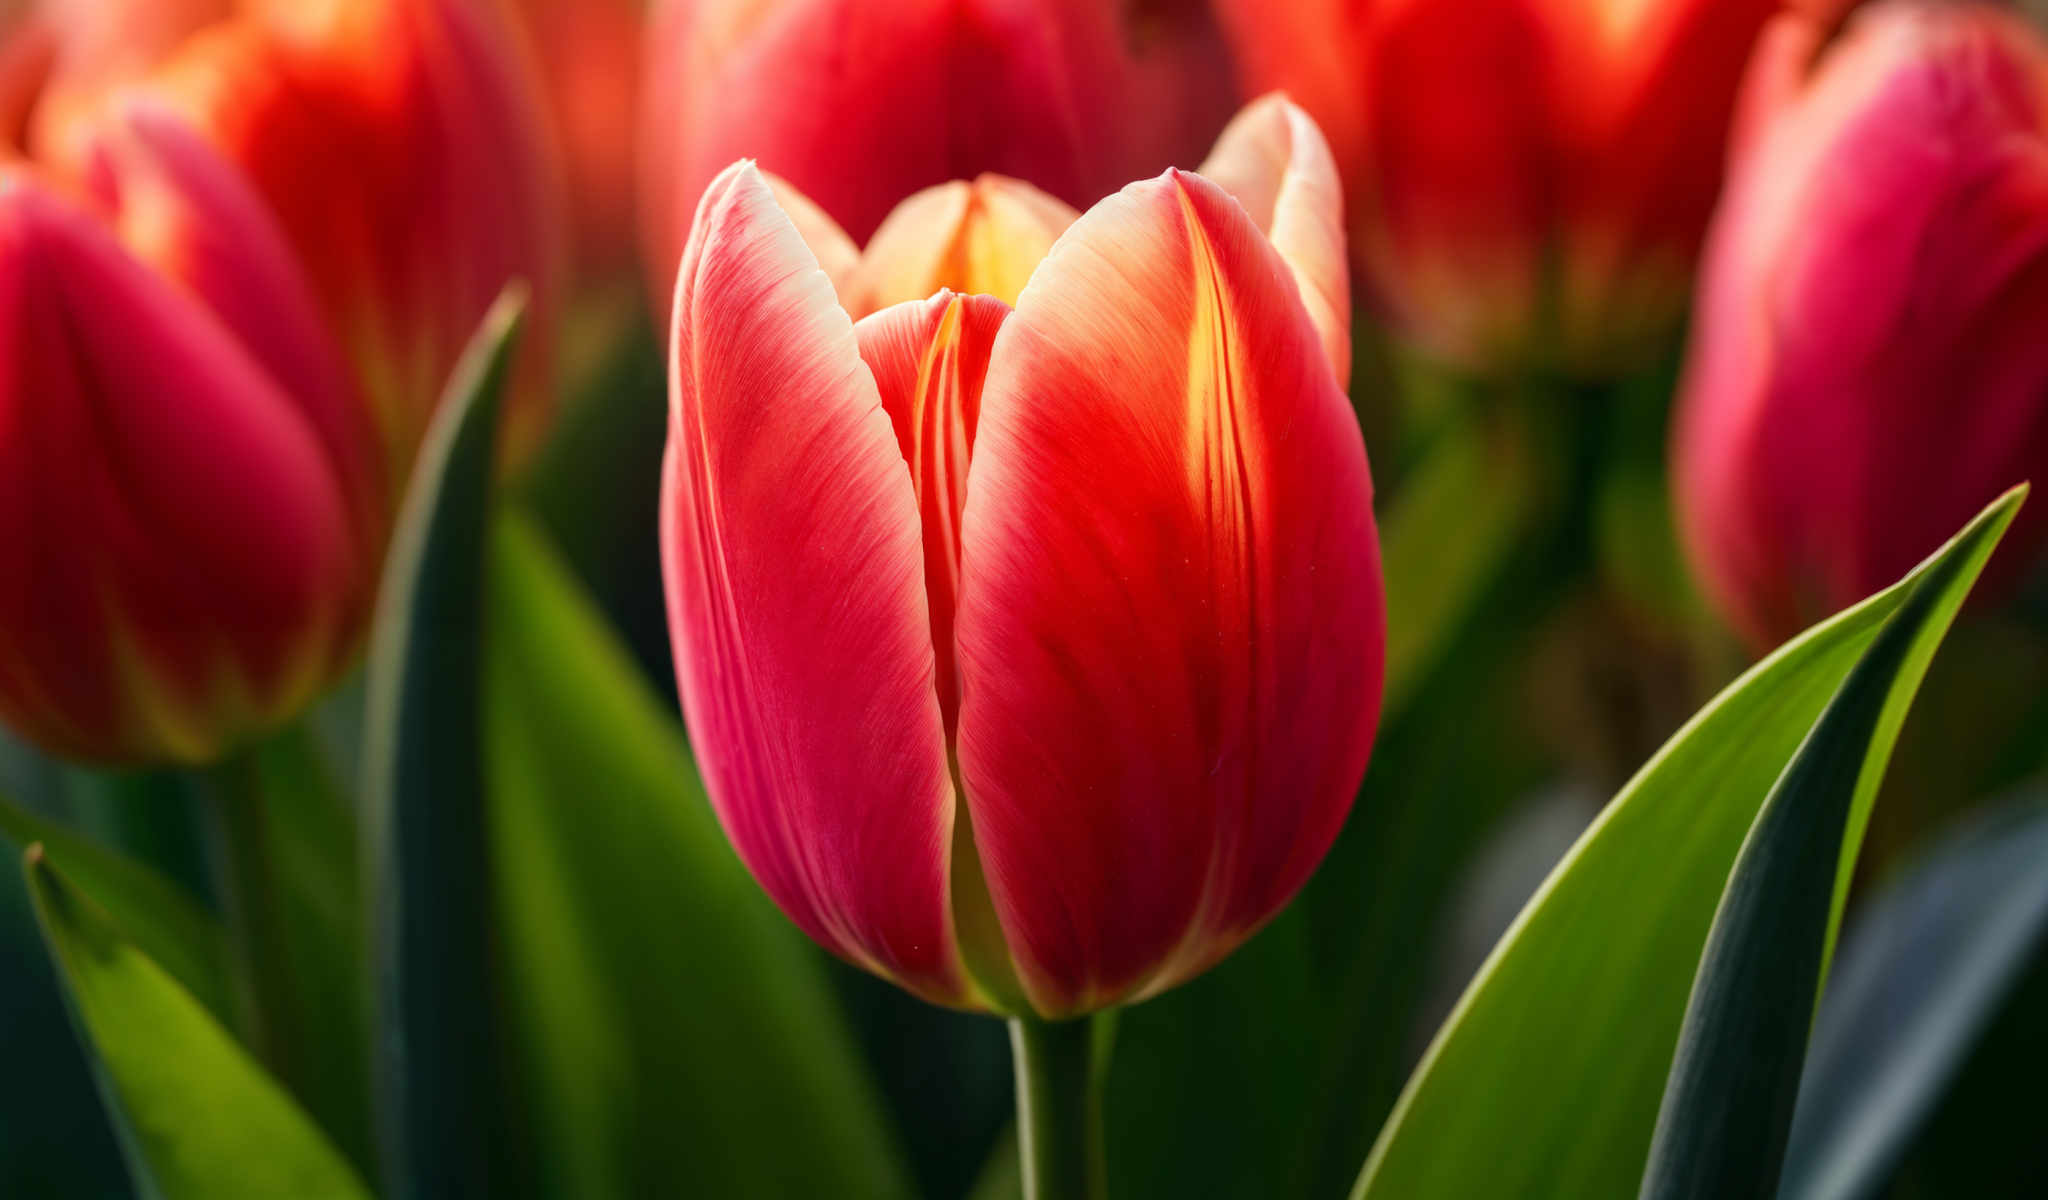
(1529, 179)
(1869, 365)
(178, 546)
(859, 104)
(274, 206)
(372, 130)
(1032, 656)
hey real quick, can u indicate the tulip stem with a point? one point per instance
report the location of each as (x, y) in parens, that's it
(1061, 1066)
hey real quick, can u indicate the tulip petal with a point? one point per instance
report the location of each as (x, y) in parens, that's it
(1274, 160)
(181, 208)
(795, 581)
(984, 237)
(837, 256)
(930, 359)
(1171, 629)
(177, 556)
(403, 149)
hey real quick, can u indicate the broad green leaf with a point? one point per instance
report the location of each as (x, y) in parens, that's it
(1545, 1079)
(1923, 971)
(157, 915)
(674, 1026)
(1728, 1100)
(425, 841)
(196, 1116)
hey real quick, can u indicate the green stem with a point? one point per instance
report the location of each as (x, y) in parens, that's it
(251, 901)
(1060, 1070)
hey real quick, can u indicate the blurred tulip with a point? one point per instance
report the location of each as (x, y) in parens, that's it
(399, 144)
(311, 205)
(1032, 657)
(178, 563)
(589, 55)
(1869, 363)
(859, 104)
(1528, 178)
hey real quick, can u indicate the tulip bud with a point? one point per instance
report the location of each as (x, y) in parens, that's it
(1061, 723)
(1528, 179)
(402, 145)
(179, 569)
(1868, 365)
(399, 145)
(190, 215)
(303, 210)
(860, 104)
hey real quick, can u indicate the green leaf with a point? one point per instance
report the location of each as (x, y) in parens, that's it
(1922, 973)
(1728, 1100)
(286, 841)
(160, 917)
(425, 841)
(196, 1116)
(1544, 1081)
(674, 1025)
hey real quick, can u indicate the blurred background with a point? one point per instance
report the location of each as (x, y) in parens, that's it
(1632, 282)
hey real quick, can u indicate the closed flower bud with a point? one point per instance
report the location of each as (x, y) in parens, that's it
(179, 565)
(1869, 364)
(1032, 656)
(292, 215)
(400, 145)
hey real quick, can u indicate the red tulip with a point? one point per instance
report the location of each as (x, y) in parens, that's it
(1529, 179)
(1031, 657)
(1869, 363)
(179, 564)
(294, 214)
(859, 104)
(399, 144)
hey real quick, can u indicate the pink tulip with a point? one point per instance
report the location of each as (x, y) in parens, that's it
(179, 561)
(1032, 657)
(860, 103)
(1869, 364)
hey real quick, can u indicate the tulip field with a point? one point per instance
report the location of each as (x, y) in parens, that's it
(1023, 599)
